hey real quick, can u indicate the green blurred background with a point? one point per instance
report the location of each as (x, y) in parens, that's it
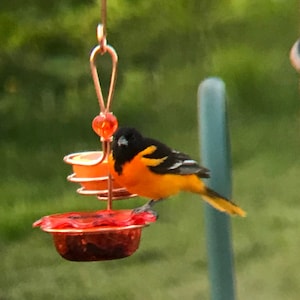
(165, 48)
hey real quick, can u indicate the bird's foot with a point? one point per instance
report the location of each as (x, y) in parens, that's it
(146, 208)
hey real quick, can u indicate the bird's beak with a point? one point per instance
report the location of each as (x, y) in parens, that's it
(122, 141)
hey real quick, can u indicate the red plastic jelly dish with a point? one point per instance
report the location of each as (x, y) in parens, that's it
(96, 236)
(103, 245)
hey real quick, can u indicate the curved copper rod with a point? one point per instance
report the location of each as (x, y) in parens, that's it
(103, 16)
(102, 48)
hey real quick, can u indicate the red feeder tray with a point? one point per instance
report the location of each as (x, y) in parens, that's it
(96, 236)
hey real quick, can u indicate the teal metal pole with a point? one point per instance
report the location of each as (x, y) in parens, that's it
(215, 154)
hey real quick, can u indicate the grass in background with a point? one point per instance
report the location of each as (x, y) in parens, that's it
(171, 262)
(48, 102)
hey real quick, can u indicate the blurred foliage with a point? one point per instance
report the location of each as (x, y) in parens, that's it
(165, 48)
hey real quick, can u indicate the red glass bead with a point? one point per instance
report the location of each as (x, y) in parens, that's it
(105, 125)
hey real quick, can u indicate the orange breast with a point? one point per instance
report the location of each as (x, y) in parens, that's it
(138, 179)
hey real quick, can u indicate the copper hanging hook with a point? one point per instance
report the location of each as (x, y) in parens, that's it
(103, 18)
(102, 48)
(104, 125)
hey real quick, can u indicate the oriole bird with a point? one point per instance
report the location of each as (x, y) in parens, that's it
(151, 169)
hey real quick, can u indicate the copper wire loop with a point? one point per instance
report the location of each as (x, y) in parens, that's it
(101, 49)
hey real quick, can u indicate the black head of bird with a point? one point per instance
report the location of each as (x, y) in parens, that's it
(127, 142)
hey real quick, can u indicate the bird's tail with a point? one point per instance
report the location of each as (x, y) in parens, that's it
(222, 204)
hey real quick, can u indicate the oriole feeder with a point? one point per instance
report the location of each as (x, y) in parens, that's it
(96, 236)
(104, 234)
